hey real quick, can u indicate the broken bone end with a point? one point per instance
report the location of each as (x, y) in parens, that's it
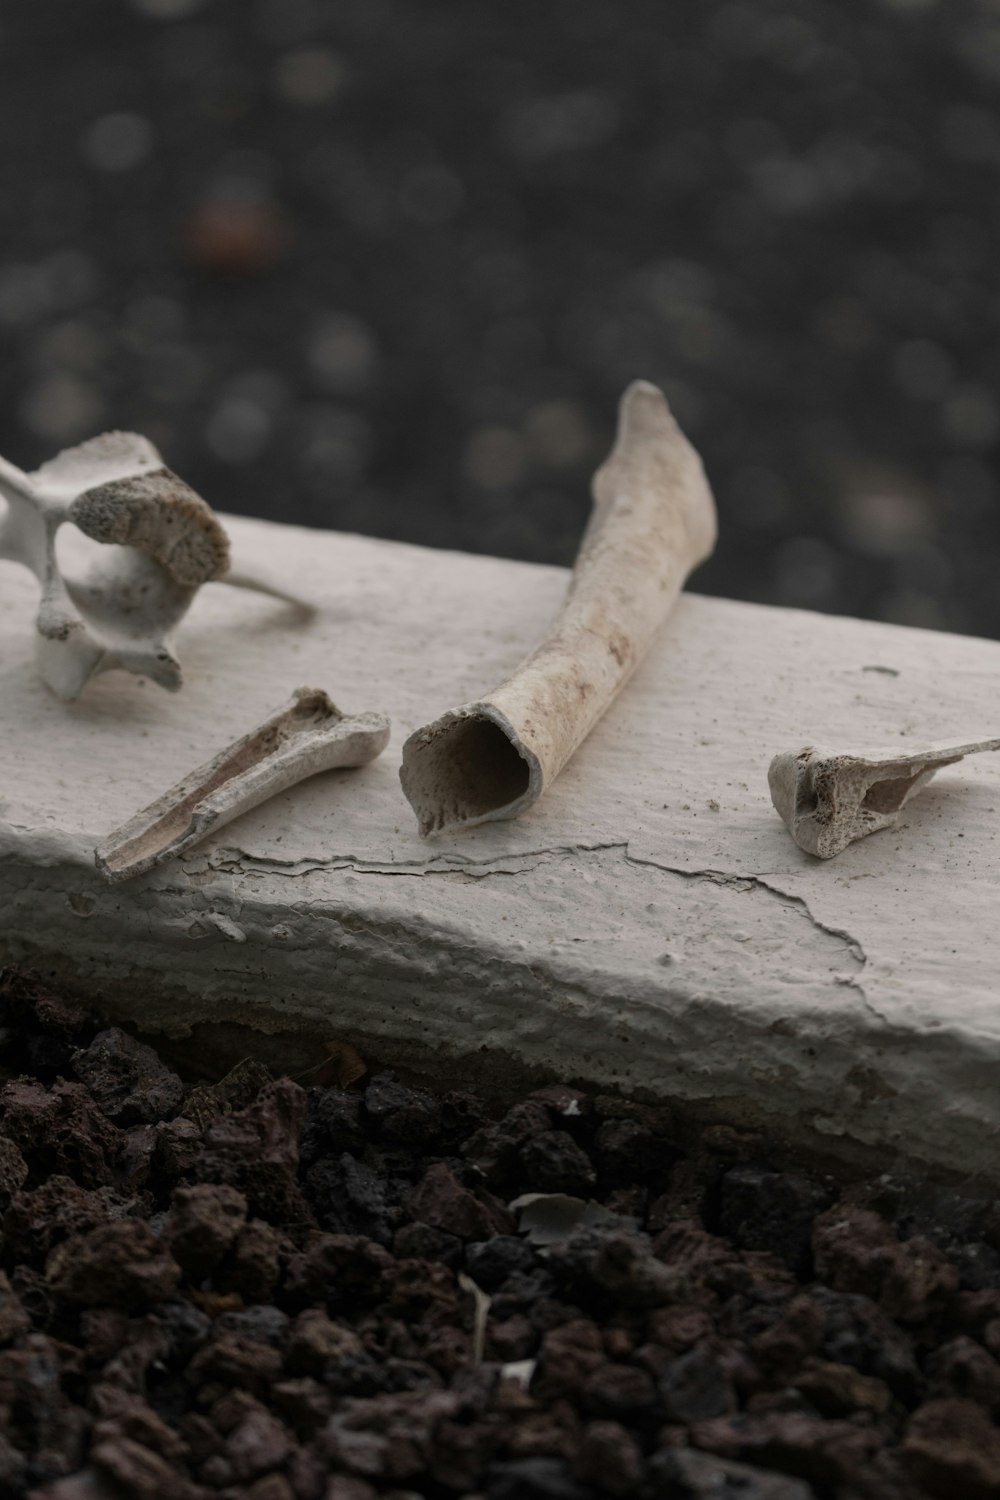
(650, 448)
(306, 736)
(157, 513)
(828, 801)
(470, 766)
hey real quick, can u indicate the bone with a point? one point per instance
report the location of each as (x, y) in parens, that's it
(161, 542)
(828, 800)
(653, 521)
(306, 736)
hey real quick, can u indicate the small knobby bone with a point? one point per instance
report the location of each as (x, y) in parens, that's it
(163, 542)
(307, 735)
(653, 521)
(829, 800)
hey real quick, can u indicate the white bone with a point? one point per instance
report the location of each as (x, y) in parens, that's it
(307, 735)
(828, 800)
(162, 542)
(653, 521)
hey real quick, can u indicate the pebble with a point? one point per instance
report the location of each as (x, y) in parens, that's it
(203, 1329)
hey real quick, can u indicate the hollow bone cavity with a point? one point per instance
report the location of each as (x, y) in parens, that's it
(828, 801)
(308, 735)
(162, 543)
(653, 521)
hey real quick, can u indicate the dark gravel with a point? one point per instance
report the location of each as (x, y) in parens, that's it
(270, 1291)
(386, 266)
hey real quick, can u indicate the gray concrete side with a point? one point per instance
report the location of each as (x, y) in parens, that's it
(649, 925)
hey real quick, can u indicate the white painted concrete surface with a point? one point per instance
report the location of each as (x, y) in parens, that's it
(649, 925)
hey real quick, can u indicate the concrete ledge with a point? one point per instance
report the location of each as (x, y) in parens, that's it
(650, 925)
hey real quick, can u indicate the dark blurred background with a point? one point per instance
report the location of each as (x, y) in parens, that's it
(386, 265)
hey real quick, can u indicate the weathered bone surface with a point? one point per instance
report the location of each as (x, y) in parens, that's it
(162, 542)
(308, 735)
(830, 800)
(653, 521)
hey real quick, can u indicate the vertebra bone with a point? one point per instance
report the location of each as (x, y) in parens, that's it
(828, 800)
(653, 521)
(163, 542)
(308, 735)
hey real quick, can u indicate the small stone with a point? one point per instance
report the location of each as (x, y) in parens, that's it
(439, 1199)
(332, 1124)
(401, 1115)
(127, 1078)
(14, 1320)
(920, 1282)
(490, 1262)
(256, 1150)
(304, 1401)
(124, 1414)
(60, 1131)
(534, 1479)
(680, 1327)
(610, 1460)
(13, 1171)
(494, 1149)
(256, 1259)
(349, 1198)
(177, 1147)
(186, 1327)
(552, 1162)
(419, 1241)
(853, 1249)
(627, 1149)
(202, 1226)
(142, 1474)
(696, 1386)
(685, 1474)
(952, 1448)
(511, 1340)
(121, 1264)
(265, 1324)
(235, 1360)
(618, 1265)
(242, 1085)
(978, 1266)
(570, 1353)
(268, 1487)
(38, 1218)
(258, 1444)
(349, 1487)
(616, 1390)
(314, 1339)
(857, 1332)
(828, 1453)
(963, 1368)
(774, 1211)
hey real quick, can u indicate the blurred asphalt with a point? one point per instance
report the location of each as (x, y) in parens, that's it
(385, 265)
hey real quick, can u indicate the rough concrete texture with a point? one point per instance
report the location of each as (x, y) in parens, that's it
(650, 925)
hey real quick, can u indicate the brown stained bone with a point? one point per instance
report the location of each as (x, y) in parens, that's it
(653, 521)
(828, 800)
(308, 735)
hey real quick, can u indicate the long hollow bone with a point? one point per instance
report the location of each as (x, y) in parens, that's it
(653, 521)
(308, 735)
(162, 543)
(828, 800)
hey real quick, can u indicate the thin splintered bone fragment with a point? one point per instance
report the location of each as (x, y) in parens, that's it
(308, 735)
(162, 543)
(829, 800)
(653, 521)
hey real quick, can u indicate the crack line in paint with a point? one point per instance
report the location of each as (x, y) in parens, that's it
(749, 882)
